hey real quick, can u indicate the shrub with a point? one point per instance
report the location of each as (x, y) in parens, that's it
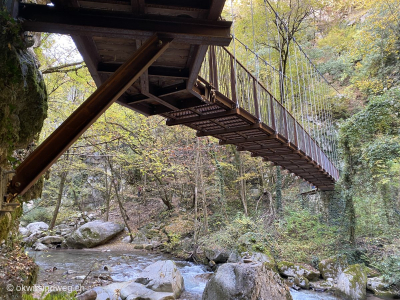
(52, 296)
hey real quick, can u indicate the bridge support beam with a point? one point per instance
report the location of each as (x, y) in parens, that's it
(40, 160)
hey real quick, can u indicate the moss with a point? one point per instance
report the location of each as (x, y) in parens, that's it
(285, 265)
(358, 274)
(89, 234)
(6, 222)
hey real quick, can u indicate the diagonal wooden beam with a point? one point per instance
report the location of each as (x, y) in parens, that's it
(161, 101)
(216, 9)
(195, 65)
(85, 115)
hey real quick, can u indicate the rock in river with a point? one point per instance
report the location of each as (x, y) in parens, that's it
(333, 266)
(36, 226)
(353, 282)
(93, 234)
(162, 276)
(288, 269)
(159, 281)
(240, 281)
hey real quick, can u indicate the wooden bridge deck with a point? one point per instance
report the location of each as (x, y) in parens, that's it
(108, 32)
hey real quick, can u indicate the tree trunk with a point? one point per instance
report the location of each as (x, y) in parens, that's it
(196, 185)
(204, 198)
(386, 203)
(348, 185)
(118, 195)
(279, 208)
(242, 181)
(108, 193)
(164, 195)
(63, 178)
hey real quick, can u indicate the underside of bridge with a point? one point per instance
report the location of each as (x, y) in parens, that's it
(146, 55)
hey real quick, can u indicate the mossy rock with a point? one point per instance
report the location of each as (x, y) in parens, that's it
(288, 269)
(333, 266)
(23, 97)
(352, 282)
(302, 282)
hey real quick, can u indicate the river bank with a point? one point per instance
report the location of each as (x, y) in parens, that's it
(118, 262)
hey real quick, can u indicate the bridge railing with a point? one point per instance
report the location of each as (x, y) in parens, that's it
(229, 77)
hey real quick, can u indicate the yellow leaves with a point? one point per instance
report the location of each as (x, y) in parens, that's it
(339, 38)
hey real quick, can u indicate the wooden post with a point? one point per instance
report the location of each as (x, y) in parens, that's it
(296, 142)
(233, 81)
(40, 160)
(256, 106)
(272, 113)
(214, 68)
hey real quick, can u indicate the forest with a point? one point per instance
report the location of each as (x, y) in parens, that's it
(190, 196)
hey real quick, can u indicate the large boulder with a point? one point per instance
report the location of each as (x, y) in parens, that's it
(333, 266)
(93, 234)
(380, 287)
(162, 276)
(240, 281)
(217, 254)
(31, 239)
(137, 291)
(23, 231)
(288, 269)
(108, 292)
(125, 291)
(36, 227)
(39, 247)
(159, 281)
(352, 282)
(302, 282)
(52, 239)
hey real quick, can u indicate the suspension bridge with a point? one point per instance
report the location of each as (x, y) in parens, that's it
(171, 58)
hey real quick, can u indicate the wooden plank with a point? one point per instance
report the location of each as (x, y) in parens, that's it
(106, 5)
(181, 4)
(168, 90)
(85, 115)
(245, 140)
(203, 117)
(91, 22)
(138, 6)
(229, 130)
(180, 103)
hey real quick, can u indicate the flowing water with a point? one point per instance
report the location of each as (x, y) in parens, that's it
(124, 266)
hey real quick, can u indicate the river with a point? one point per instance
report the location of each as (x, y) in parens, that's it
(65, 268)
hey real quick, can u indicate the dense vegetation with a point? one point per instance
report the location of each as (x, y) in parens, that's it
(125, 162)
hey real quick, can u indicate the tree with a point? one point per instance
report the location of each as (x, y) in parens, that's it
(370, 144)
